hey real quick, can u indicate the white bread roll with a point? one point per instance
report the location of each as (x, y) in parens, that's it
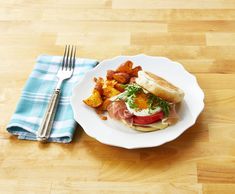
(159, 87)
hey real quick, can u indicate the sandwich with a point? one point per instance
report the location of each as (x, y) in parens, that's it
(147, 103)
(138, 98)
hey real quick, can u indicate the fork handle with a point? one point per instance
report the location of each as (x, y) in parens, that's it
(44, 130)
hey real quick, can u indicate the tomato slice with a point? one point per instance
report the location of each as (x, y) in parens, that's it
(148, 119)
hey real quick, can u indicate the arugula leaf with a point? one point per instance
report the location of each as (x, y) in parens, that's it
(130, 93)
(133, 89)
(154, 101)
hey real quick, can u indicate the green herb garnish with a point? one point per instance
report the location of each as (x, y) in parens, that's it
(130, 93)
(154, 101)
(133, 89)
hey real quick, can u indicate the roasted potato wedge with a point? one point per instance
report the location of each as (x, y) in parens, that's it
(122, 78)
(125, 67)
(94, 100)
(110, 91)
(110, 83)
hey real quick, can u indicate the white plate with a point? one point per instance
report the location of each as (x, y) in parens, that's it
(115, 133)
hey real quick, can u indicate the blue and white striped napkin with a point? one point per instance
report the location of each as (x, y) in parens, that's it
(36, 95)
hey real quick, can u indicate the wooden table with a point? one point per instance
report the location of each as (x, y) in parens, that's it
(199, 34)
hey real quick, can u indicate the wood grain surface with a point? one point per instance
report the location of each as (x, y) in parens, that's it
(199, 34)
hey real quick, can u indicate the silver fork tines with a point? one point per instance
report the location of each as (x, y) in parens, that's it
(64, 72)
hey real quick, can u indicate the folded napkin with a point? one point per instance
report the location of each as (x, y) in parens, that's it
(36, 95)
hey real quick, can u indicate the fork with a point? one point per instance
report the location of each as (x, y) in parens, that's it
(64, 72)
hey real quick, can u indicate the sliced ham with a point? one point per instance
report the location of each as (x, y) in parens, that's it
(118, 110)
(173, 116)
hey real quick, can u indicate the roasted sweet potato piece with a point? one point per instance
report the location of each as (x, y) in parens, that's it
(122, 78)
(125, 67)
(98, 110)
(102, 117)
(119, 87)
(100, 113)
(94, 100)
(132, 80)
(105, 104)
(109, 74)
(99, 82)
(135, 71)
(99, 79)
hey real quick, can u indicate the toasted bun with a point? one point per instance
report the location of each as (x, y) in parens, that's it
(147, 128)
(159, 87)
